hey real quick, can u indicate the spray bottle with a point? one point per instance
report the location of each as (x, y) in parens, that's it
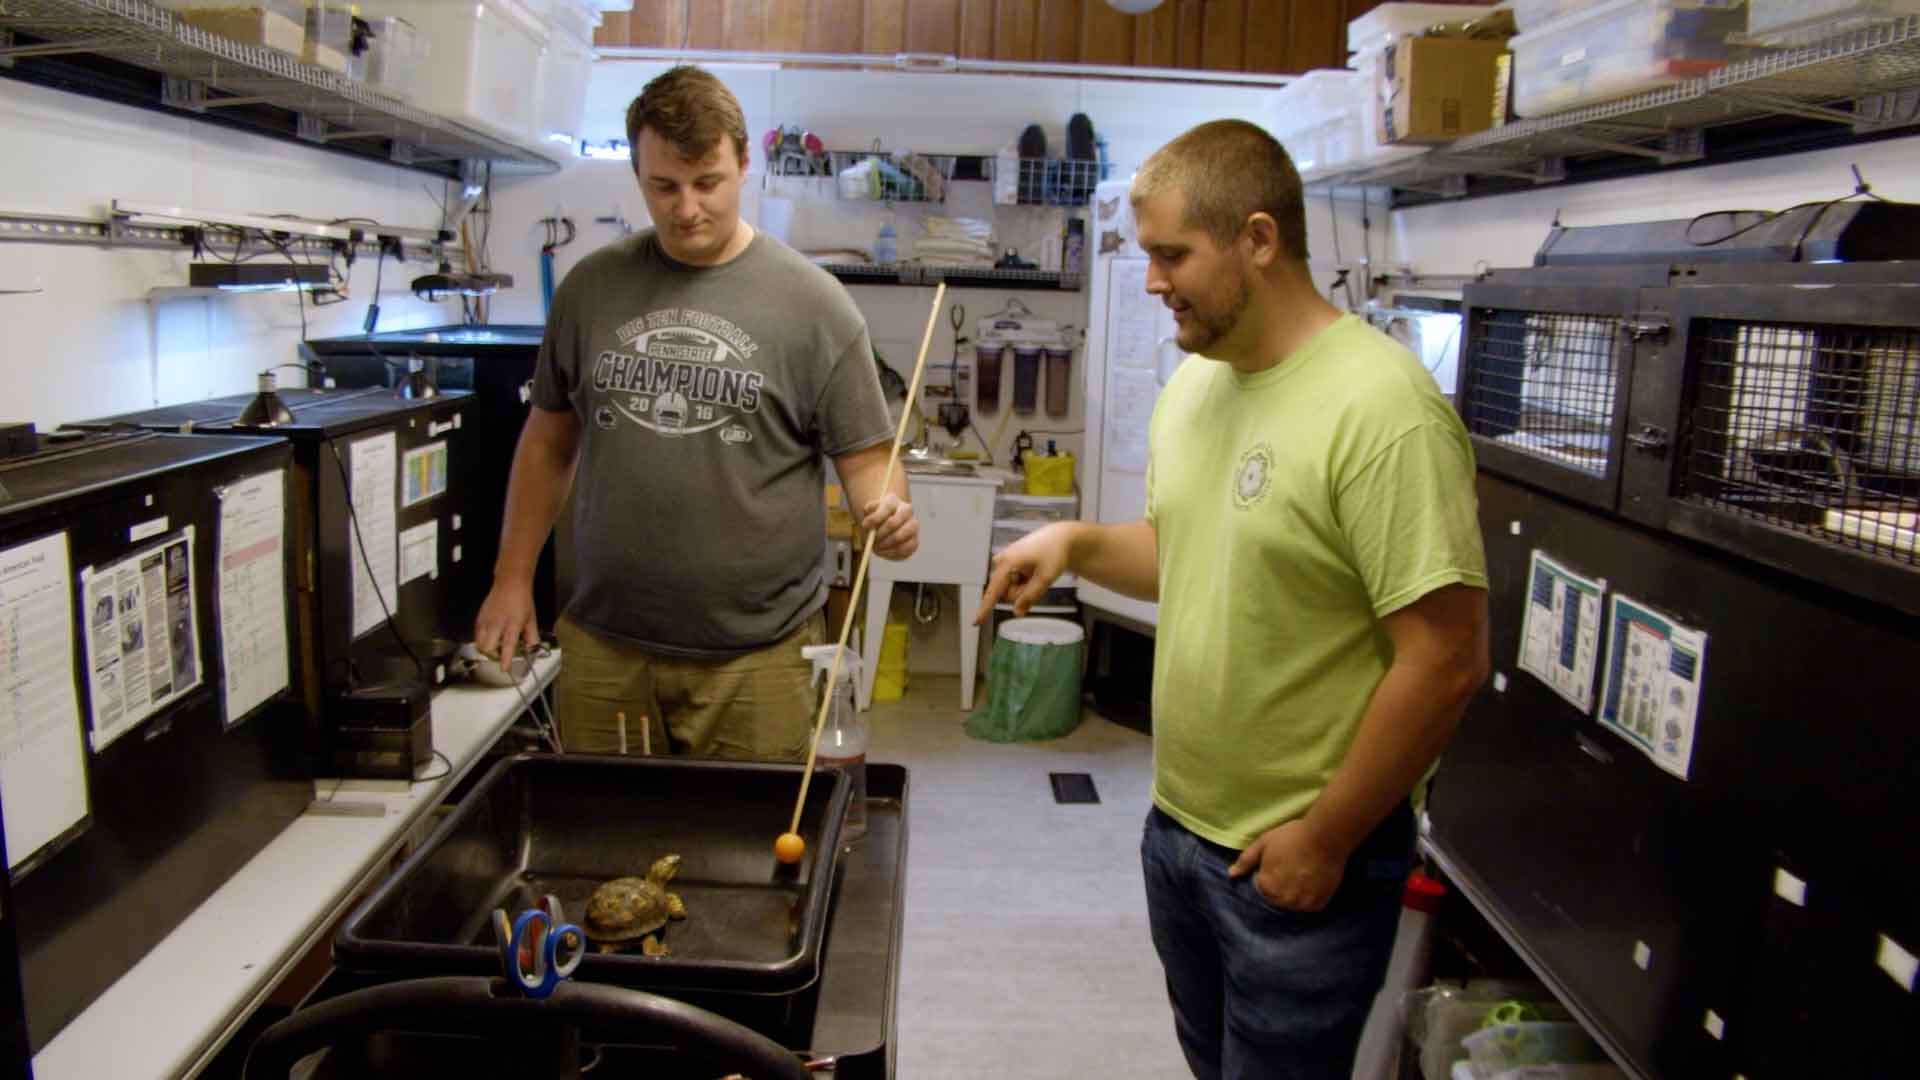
(843, 742)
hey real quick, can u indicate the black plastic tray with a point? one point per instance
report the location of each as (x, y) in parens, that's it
(847, 1015)
(563, 825)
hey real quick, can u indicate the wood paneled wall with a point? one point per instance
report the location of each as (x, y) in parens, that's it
(1218, 35)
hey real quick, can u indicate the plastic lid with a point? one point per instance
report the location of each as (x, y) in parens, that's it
(1038, 631)
(1423, 893)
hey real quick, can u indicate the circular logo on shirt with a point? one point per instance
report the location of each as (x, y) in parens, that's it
(679, 372)
(1254, 476)
(603, 417)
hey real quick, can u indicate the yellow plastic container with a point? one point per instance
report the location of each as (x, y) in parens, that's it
(1048, 475)
(890, 674)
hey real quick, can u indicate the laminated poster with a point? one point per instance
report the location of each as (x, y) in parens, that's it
(1655, 669)
(43, 757)
(253, 592)
(1560, 634)
(143, 635)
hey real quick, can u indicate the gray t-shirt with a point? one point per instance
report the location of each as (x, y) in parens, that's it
(706, 397)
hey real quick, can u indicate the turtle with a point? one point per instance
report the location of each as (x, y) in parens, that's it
(630, 908)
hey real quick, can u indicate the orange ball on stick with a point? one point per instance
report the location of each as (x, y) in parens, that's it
(789, 848)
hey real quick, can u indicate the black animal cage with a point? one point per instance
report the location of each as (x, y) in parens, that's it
(1738, 447)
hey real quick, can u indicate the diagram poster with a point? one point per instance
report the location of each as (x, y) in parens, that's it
(1560, 632)
(1655, 669)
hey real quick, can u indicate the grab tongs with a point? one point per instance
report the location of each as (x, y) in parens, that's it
(538, 949)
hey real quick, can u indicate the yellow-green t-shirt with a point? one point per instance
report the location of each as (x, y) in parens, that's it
(1293, 508)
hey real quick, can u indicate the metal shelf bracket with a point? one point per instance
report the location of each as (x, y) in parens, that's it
(187, 94)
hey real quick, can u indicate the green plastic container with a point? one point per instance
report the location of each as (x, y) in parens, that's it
(1033, 682)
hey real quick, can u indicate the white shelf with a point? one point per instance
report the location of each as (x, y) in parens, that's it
(1844, 79)
(170, 1014)
(208, 72)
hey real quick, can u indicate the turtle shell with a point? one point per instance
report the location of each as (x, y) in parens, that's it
(626, 908)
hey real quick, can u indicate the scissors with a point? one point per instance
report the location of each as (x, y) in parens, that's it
(538, 949)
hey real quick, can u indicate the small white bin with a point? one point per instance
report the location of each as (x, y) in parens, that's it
(484, 52)
(565, 69)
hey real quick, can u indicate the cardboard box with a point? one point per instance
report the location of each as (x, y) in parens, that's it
(1438, 89)
(1502, 89)
(249, 26)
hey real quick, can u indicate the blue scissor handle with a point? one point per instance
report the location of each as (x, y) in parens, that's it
(538, 952)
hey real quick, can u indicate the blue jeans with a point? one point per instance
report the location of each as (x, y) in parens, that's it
(1258, 991)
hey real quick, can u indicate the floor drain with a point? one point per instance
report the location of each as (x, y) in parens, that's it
(1073, 787)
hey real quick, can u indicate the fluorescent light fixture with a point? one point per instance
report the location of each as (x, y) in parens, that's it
(164, 214)
(614, 150)
(257, 276)
(560, 137)
(435, 285)
(159, 213)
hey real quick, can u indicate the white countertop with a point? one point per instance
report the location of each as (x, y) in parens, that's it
(170, 1014)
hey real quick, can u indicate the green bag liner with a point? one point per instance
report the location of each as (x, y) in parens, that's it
(1033, 682)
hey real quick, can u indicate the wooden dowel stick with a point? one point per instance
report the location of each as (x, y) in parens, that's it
(866, 556)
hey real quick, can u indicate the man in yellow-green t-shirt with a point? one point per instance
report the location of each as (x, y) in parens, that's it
(1312, 541)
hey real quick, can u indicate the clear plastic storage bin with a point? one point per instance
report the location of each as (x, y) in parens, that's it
(1529, 15)
(1795, 22)
(565, 68)
(1616, 49)
(477, 46)
(395, 57)
(1496, 1049)
(1039, 509)
(1319, 117)
(574, 17)
(1388, 23)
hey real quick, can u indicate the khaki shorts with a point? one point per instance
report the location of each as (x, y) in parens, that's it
(759, 706)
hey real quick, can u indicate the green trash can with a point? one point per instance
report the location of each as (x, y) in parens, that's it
(1033, 682)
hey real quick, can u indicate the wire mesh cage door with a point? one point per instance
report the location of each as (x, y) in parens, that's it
(1811, 427)
(1542, 386)
(1798, 432)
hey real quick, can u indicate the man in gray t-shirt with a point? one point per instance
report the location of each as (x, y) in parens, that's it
(695, 375)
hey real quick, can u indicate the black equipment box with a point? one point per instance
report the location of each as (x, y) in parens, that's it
(497, 364)
(416, 458)
(178, 795)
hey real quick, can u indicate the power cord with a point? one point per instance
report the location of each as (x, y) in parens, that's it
(442, 774)
(353, 517)
(299, 294)
(552, 733)
(1861, 189)
(373, 306)
(311, 369)
(550, 727)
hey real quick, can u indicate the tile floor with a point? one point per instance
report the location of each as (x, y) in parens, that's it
(1026, 951)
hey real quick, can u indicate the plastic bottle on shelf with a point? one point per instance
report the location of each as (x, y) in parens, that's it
(1381, 1039)
(843, 742)
(886, 247)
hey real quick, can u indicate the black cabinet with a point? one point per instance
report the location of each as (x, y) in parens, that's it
(1755, 476)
